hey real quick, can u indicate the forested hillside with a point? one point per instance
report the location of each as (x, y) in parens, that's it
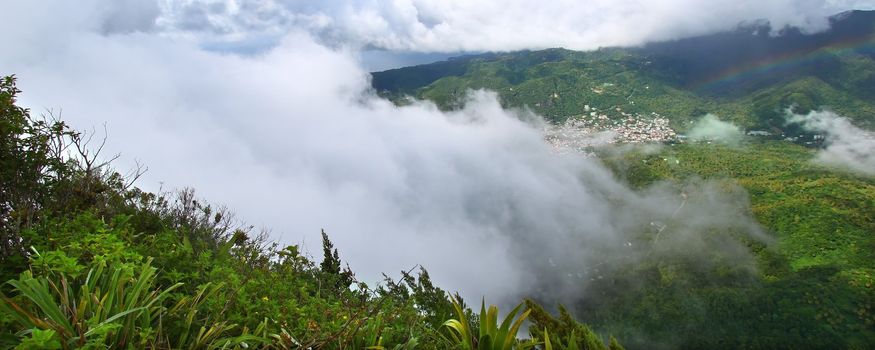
(813, 283)
(748, 76)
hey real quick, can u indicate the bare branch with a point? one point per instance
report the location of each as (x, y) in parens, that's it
(134, 175)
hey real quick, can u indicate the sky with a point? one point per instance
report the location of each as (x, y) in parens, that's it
(460, 25)
(265, 106)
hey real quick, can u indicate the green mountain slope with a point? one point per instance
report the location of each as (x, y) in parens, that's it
(816, 282)
(682, 80)
(813, 286)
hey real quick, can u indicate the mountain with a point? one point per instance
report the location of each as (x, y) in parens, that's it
(748, 76)
(811, 282)
(757, 55)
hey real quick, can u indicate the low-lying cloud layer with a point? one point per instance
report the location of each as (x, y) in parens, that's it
(293, 139)
(461, 25)
(711, 128)
(845, 145)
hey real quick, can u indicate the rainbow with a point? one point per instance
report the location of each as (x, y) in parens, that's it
(786, 61)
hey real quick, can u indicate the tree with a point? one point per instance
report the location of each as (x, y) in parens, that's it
(565, 330)
(330, 265)
(31, 166)
(331, 259)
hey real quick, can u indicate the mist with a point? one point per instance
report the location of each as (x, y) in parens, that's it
(711, 128)
(294, 139)
(845, 145)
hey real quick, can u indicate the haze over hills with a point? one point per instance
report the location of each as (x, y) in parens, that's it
(748, 76)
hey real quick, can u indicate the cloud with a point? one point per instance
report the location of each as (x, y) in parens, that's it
(845, 145)
(710, 128)
(294, 139)
(125, 16)
(494, 25)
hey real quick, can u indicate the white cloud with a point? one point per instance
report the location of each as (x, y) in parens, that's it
(496, 25)
(846, 146)
(711, 128)
(293, 140)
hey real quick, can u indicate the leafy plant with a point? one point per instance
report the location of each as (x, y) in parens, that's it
(103, 307)
(490, 334)
(40, 339)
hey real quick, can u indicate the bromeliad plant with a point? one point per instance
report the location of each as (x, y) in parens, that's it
(111, 308)
(490, 335)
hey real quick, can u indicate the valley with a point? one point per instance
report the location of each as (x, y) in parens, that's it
(633, 109)
(600, 175)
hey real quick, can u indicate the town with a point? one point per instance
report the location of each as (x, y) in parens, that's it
(581, 133)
